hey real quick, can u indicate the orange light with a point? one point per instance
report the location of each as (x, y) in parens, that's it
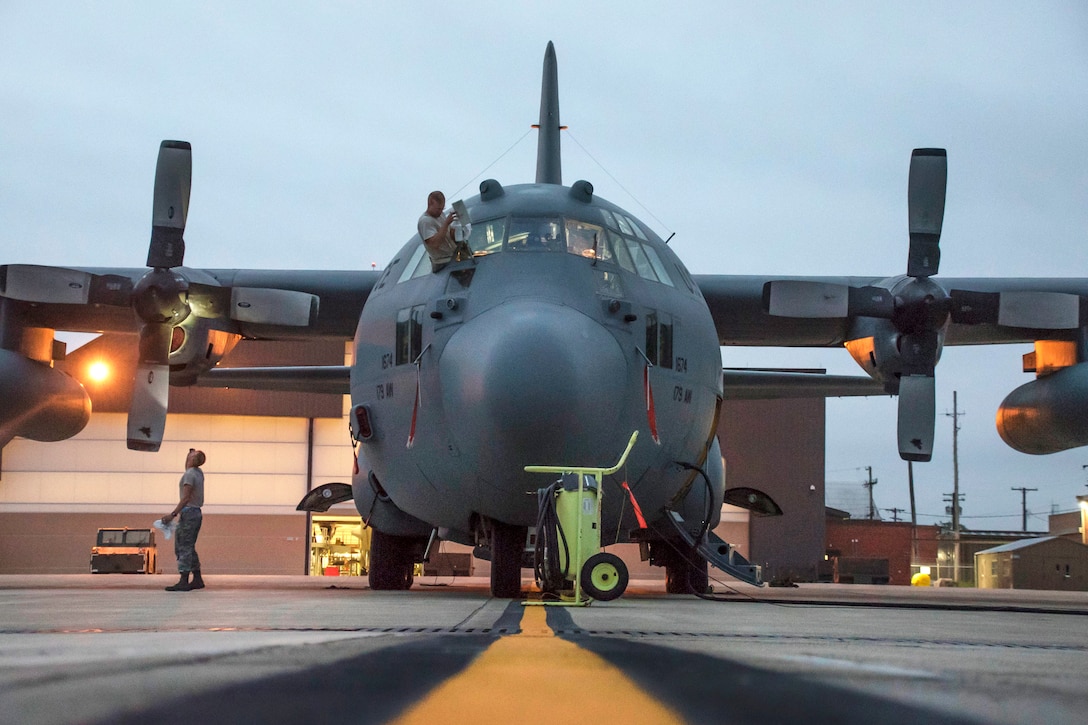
(99, 371)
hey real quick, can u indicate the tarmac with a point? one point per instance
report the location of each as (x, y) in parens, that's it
(287, 649)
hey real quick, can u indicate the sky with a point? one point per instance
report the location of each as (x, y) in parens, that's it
(771, 138)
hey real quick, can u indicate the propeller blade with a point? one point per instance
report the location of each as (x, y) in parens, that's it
(917, 410)
(805, 299)
(1038, 310)
(150, 388)
(173, 178)
(273, 306)
(58, 285)
(35, 283)
(147, 413)
(799, 298)
(925, 210)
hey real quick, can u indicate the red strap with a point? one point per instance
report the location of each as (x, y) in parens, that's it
(634, 505)
(415, 409)
(651, 416)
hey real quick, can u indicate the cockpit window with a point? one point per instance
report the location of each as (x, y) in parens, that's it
(638, 229)
(418, 265)
(586, 240)
(623, 257)
(535, 235)
(624, 226)
(655, 262)
(609, 219)
(642, 263)
(487, 236)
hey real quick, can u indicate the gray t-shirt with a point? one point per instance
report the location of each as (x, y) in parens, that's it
(428, 226)
(193, 477)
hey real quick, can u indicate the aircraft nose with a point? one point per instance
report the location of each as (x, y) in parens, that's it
(531, 382)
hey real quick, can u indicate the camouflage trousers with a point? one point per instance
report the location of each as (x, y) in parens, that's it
(185, 539)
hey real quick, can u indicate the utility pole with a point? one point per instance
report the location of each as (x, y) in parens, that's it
(1024, 503)
(913, 516)
(956, 498)
(895, 514)
(869, 485)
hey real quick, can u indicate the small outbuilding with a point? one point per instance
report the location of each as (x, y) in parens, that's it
(1048, 562)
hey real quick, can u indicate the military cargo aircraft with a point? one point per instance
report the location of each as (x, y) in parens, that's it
(564, 325)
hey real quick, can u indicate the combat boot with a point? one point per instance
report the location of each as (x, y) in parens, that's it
(182, 585)
(198, 581)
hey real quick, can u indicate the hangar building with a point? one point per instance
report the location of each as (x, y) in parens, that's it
(267, 449)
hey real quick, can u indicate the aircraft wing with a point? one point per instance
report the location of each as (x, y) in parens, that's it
(297, 379)
(257, 304)
(738, 304)
(895, 327)
(186, 321)
(755, 384)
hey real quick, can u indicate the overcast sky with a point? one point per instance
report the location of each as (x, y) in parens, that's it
(772, 138)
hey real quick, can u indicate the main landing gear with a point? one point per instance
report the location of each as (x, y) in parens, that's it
(507, 547)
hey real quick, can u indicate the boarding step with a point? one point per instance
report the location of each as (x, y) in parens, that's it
(720, 554)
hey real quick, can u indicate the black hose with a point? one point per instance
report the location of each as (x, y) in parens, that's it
(549, 537)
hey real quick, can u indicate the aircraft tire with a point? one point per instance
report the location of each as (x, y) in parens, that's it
(684, 577)
(604, 577)
(390, 562)
(507, 544)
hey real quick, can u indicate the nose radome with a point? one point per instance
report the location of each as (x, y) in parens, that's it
(533, 382)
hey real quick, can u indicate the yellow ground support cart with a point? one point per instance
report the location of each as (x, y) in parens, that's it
(124, 551)
(569, 562)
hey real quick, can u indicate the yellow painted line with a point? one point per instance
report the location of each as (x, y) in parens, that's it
(534, 676)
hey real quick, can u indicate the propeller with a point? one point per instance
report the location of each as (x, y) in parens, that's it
(162, 298)
(916, 307)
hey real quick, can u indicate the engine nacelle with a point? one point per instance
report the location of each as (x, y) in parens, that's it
(876, 346)
(1049, 414)
(195, 347)
(39, 402)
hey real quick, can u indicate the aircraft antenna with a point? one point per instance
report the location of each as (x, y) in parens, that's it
(457, 193)
(625, 189)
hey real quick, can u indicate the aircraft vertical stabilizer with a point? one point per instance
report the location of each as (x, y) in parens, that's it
(548, 165)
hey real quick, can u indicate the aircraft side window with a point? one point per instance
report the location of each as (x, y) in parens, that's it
(686, 276)
(636, 228)
(651, 337)
(664, 349)
(413, 263)
(642, 263)
(655, 262)
(659, 334)
(608, 284)
(609, 219)
(584, 239)
(487, 236)
(623, 257)
(409, 334)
